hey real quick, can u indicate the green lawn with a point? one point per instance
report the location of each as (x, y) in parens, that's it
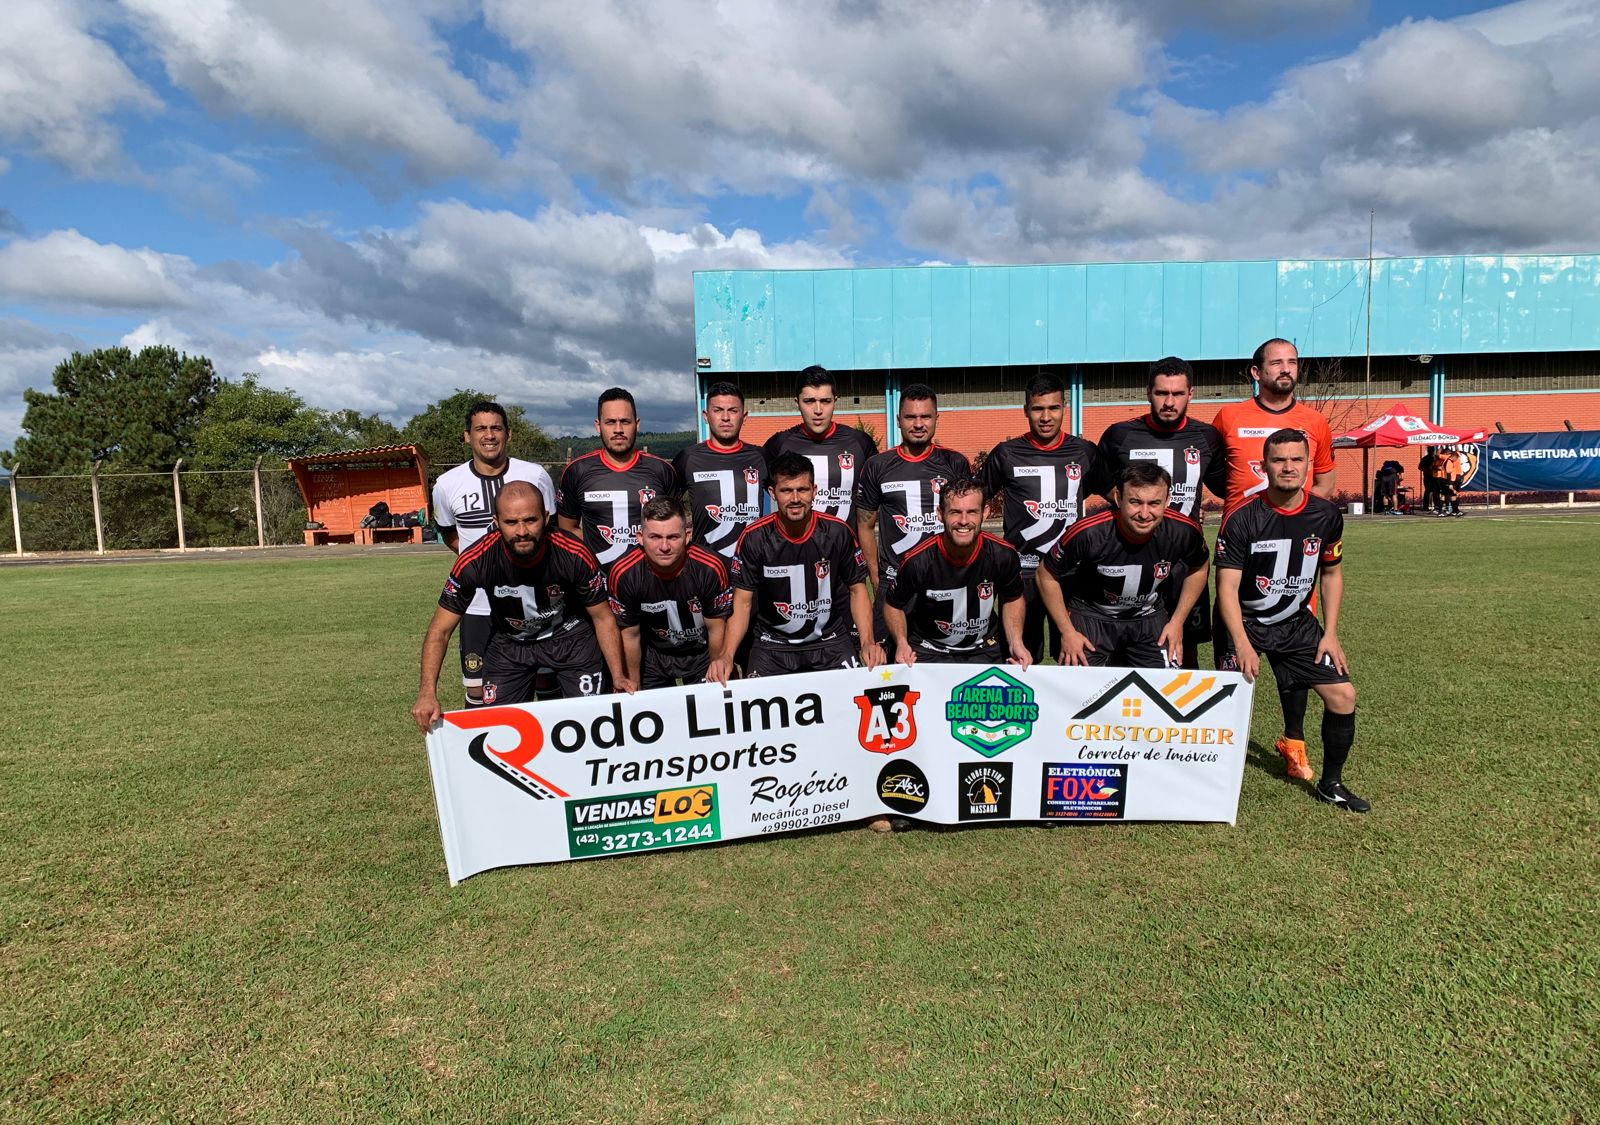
(223, 893)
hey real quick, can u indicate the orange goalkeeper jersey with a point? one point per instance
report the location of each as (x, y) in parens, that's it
(1244, 426)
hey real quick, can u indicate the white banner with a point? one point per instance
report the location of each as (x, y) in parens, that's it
(941, 743)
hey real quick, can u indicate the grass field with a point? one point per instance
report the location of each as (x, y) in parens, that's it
(223, 894)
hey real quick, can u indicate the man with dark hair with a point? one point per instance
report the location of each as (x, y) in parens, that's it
(547, 608)
(1189, 450)
(942, 605)
(897, 499)
(671, 599)
(463, 511)
(722, 476)
(1109, 581)
(837, 453)
(800, 581)
(602, 492)
(1041, 477)
(1270, 553)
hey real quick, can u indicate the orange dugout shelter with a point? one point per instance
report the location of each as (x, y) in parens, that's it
(340, 488)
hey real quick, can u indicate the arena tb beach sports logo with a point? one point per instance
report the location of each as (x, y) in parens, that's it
(991, 712)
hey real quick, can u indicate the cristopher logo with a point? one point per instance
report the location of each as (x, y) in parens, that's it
(991, 712)
(888, 718)
(1083, 791)
(1134, 709)
(511, 762)
(985, 789)
(903, 787)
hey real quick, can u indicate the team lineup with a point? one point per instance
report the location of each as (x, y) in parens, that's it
(817, 551)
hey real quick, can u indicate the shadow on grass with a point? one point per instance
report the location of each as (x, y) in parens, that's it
(1270, 762)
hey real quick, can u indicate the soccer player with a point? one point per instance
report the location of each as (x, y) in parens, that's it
(1107, 583)
(1270, 552)
(722, 476)
(1189, 450)
(837, 453)
(463, 511)
(1041, 476)
(897, 499)
(671, 599)
(800, 580)
(602, 492)
(941, 605)
(547, 608)
(1275, 369)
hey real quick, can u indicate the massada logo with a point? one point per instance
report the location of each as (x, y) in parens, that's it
(991, 712)
(888, 718)
(509, 763)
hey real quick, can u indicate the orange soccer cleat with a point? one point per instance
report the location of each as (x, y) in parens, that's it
(1294, 758)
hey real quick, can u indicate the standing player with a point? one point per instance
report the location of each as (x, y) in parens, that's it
(1041, 476)
(1109, 581)
(463, 511)
(1270, 552)
(547, 608)
(722, 476)
(800, 581)
(602, 492)
(1189, 450)
(1275, 368)
(897, 499)
(837, 453)
(941, 606)
(671, 600)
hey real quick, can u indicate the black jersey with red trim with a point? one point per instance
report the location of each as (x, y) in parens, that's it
(801, 586)
(724, 487)
(1043, 486)
(837, 456)
(605, 498)
(904, 491)
(1281, 551)
(671, 610)
(952, 606)
(1192, 453)
(533, 599)
(1102, 571)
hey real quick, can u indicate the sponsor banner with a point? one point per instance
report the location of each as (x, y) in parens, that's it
(1553, 462)
(942, 744)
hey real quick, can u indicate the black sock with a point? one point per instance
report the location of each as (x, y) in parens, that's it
(1294, 713)
(1338, 735)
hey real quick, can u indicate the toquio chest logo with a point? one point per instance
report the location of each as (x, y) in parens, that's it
(511, 760)
(991, 712)
(888, 718)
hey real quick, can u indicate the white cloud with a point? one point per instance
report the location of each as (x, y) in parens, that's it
(59, 84)
(65, 267)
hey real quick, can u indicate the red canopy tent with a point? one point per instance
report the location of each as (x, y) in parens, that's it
(1398, 426)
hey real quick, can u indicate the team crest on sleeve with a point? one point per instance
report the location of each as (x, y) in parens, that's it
(646, 495)
(985, 590)
(452, 587)
(1313, 546)
(847, 461)
(752, 476)
(1191, 456)
(888, 718)
(596, 584)
(724, 599)
(617, 607)
(822, 568)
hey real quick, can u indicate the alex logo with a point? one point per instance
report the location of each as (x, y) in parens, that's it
(888, 718)
(509, 763)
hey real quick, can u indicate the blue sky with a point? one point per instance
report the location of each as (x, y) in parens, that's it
(376, 203)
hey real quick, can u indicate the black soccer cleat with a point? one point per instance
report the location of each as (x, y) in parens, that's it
(1335, 794)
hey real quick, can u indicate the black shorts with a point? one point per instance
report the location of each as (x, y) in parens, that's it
(777, 659)
(511, 666)
(1123, 643)
(1291, 648)
(665, 669)
(473, 640)
(1034, 616)
(1197, 626)
(880, 627)
(991, 652)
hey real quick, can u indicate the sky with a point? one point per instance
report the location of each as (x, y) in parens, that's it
(376, 202)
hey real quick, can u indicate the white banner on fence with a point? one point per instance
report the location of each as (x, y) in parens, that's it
(944, 744)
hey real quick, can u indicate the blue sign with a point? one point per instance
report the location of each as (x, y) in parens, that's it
(1566, 461)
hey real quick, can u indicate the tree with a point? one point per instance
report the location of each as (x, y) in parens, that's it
(350, 429)
(438, 428)
(133, 411)
(245, 420)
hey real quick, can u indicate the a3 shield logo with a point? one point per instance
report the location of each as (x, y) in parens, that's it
(1163, 569)
(1191, 456)
(822, 568)
(847, 461)
(646, 495)
(1313, 546)
(985, 590)
(888, 718)
(752, 476)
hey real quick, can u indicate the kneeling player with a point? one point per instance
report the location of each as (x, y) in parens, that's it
(1106, 583)
(941, 604)
(800, 580)
(670, 598)
(1270, 552)
(547, 608)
